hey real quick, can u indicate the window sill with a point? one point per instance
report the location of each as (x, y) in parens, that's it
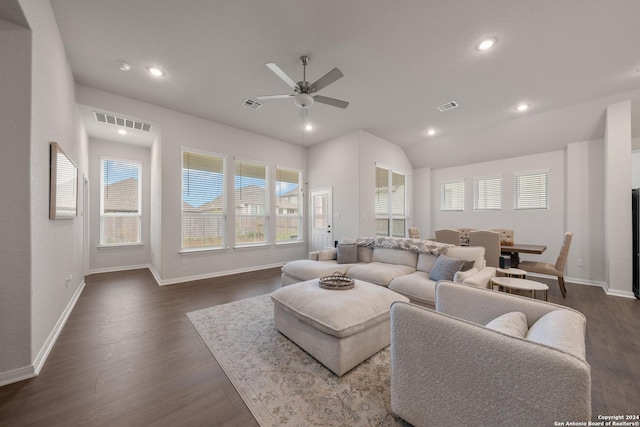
(121, 245)
(201, 250)
(252, 246)
(290, 242)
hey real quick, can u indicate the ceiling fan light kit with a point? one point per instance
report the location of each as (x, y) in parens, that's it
(305, 93)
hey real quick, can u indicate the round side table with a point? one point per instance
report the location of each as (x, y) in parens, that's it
(509, 283)
(512, 272)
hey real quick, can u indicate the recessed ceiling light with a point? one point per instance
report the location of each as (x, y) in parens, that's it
(522, 107)
(431, 132)
(122, 131)
(123, 66)
(308, 127)
(157, 72)
(487, 43)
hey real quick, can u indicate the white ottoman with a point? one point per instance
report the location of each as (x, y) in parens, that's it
(340, 328)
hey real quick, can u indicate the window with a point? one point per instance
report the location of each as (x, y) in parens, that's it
(120, 212)
(390, 203)
(531, 190)
(251, 202)
(288, 205)
(203, 200)
(487, 194)
(452, 195)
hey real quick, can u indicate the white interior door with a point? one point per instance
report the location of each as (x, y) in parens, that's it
(321, 216)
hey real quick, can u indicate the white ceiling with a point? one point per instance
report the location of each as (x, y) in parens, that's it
(400, 59)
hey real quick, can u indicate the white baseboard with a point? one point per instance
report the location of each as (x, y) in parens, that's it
(34, 369)
(177, 280)
(605, 287)
(122, 268)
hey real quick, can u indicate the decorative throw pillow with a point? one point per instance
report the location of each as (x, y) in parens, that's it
(445, 268)
(513, 323)
(347, 253)
(467, 265)
(327, 254)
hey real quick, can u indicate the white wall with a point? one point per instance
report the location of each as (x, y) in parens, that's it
(15, 242)
(182, 130)
(585, 211)
(422, 202)
(118, 257)
(155, 217)
(540, 226)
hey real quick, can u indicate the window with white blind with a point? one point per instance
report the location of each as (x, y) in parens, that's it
(390, 203)
(203, 200)
(452, 195)
(120, 203)
(487, 194)
(251, 197)
(530, 190)
(288, 195)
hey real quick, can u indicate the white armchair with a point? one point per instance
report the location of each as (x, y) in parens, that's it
(448, 368)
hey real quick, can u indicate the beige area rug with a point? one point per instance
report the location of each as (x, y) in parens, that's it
(283, 385)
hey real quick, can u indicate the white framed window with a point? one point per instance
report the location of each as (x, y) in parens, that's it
(120, 202)
(487, 194)
(390, 202)
(203, 200)
(288, 196)
(251, 196)
(452, 195)
(530, 190)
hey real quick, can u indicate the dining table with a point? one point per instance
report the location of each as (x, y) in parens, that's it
(516, 249)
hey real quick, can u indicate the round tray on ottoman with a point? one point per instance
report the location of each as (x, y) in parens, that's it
(337, 281)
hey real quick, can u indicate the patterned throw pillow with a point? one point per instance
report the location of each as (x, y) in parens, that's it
(444, 268)
(347, 253)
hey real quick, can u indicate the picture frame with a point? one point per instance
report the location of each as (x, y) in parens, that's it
(63, 192)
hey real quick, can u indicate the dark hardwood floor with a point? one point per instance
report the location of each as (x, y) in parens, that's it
(128, 356)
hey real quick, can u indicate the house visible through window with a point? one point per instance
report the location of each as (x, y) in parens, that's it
(452, 195)
(288, 205)
(203, 200)
(251, 202)
(487, 194)
(390, 203)
(120, 203)
(530, 190)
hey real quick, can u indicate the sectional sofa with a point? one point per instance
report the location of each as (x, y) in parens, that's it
(410, 267)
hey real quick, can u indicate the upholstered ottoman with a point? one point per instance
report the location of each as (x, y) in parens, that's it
(340, 328)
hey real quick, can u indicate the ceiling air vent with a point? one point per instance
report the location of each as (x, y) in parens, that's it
(252, 103)
(448, 106)
(121, 121)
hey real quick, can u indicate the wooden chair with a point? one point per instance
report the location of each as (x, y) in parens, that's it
(490, 240)
(551, 269)
(448, 235)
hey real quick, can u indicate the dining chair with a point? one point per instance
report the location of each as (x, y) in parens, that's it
(556, 269)
(490, 240)
(447, 235)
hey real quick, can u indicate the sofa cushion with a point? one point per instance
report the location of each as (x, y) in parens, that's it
(417, 286)
(463, 275)
(379, 273)
(562, 329)
(306, 269)
(445, 268)
(347, 253)
(327, 254)
(468, 253)
(426, 261)
(395, 256)
(513, 323)
(365, 253)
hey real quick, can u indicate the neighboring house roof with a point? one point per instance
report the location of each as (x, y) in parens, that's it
(121, 196)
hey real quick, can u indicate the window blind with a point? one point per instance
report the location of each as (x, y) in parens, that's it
(251, 202)
(120, 211)
(203, 200)
(531, 191)
(487, 194)
(288, 205)
(452, 195)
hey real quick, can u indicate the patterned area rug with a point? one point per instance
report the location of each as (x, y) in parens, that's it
(283, 385)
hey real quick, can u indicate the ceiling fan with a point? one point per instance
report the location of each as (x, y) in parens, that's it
(305, 93)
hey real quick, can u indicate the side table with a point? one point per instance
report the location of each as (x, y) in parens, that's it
(511, 283)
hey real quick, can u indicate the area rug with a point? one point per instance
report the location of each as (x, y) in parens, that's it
(283, 385)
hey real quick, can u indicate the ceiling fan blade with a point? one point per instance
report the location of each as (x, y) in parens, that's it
(273, 67)
(331, 101)
(325, 80)
(274, 96)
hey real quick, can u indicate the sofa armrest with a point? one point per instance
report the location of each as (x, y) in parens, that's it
(482, 279)
(439, 361)
(313, 256)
